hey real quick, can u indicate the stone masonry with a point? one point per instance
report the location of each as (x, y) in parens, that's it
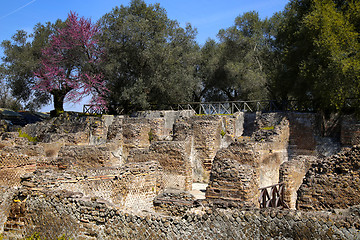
(174, 158)
(121, 177)
(235, 176)
(292, 174)
(333, 182)
(60, 213)
(350, 131)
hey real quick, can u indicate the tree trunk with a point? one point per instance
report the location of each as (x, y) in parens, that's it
(59, 96)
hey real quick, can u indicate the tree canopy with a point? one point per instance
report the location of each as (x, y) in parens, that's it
(6, 99)
(69, 64)
(21, 60)
(151, 60)
(234, 68)
(319, 43)
(137, 58)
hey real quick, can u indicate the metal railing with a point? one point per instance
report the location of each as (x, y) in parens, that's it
(213, 108)
(274, 198)
(94, 109)
(217, 108)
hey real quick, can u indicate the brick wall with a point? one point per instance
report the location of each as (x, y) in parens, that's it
(350, 131)
(204, 133)
(83, 157)
(302, 134)
(6, 197)
(132, 186)
(292, 174)
(235, 176)
(13, 166)
(174, 158)
(333, 182)
(272, 145)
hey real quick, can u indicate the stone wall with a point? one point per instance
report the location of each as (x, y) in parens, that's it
(136, 134)
(87, 168)
(71, 128)
(174, 158)
(6, 197)
(272, 140)
(13, 166)
(303, 133)
(333, 182)
(292, 174)
(53, 214)
(88, 156)
(234, 177)
(233, 125)
(350, 131)
(169, 118)
(204, 134)
(29, 150)
(132, 186)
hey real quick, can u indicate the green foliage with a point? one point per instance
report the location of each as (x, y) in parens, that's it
(319, 44)
(35, 236)
(6, 99)
(268, 128)
(25, 135)
(151, 59)
(235, 68)
(21, 59)
(309, 52)
(151, 135)
(222, 133)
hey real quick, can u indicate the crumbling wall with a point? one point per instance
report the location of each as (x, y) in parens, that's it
(132, 186)
(234, 177)
(233, 125)
(350, 131)
(71, 128)
(136, 134)
(204, 135)
(13, 166)
(29, 150)
(169, 118)
(206, 130)
(174, 158)
(272, 145)
(303, 131)
(87, 156)
(333, 182)
(292, 174)
(6, 197)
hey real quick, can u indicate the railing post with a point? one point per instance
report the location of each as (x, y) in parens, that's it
(275, 198)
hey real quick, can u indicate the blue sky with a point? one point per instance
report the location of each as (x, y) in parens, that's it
(208, 16)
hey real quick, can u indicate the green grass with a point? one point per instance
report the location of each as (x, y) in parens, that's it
(25, 135)
(268, 128)
(36, 236)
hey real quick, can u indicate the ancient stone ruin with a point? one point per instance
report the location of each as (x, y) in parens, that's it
(121, 177)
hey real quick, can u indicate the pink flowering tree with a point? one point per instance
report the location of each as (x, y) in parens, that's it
(69, 68)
